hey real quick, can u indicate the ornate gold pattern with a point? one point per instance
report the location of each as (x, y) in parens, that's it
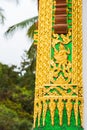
(81, 109)
(60, 107)
(44, 110)
(77, 50)
(61, 59)
(60, 90)
(44, 42)
(79, 53)
(58, 80)
(51, 101)
(69, 109)
(52, 107)
(76, 111)
(74, 40)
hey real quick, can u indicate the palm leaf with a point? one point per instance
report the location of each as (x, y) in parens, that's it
(21, 25)
(2, 17)
(30, 32)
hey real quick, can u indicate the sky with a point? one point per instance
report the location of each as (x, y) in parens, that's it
(12, 48)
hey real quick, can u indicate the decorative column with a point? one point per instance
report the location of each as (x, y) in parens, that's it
(58, 101)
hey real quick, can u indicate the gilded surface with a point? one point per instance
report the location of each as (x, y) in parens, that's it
(77, 51)
(60, 72)
(79, 48)
(60, 90)
(58, 69)
(43, 49)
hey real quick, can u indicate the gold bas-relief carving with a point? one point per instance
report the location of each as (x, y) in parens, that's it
(58, 80)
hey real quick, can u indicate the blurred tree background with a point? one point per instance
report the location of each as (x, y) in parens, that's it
(17, 85)
(17, 93)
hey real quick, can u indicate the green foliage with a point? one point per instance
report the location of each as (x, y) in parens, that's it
(28, 22)
(25, 125)
(2, 17)
(30, 32)
(9, 120)
(28, 67)
(8, 79)
(17, 87)
(17, 93)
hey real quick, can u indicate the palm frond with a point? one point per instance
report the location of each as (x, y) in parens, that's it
(2, 17)
(21, 25)
(30, 32)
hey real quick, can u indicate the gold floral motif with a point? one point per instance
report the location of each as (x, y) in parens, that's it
(66, 86)
(66, 38)
(61, 58)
